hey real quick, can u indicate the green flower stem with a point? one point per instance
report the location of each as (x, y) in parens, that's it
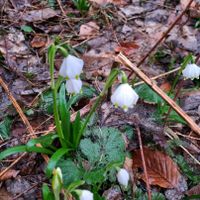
(187, 60)
(124, 77)
(110, 80)
(54, 86)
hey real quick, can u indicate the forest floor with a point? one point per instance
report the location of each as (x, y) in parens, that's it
(29, 27)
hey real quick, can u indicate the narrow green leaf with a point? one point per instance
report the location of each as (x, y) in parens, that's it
(76, 129)
(12, 150)
(64, 114)
(54, 160)
(39, 150)
(45, 141)
(74, 185)
(46, 193)
(5, 128)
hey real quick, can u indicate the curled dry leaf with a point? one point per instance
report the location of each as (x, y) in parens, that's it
(9, 174)
(89, 29)
(161, 168)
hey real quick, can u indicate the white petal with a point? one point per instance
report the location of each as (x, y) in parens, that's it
(123, 177)
(124, 96)
(86, 195)
(73, 86)
(191, 71)
(71, 67)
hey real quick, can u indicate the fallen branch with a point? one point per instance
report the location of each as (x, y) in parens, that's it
(125, 61)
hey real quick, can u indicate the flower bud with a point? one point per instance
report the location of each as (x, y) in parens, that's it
(191, 71)
(57, 181)
(85, 194)
(73, 86)
(124, 97)
(71, 67)
(123, 177)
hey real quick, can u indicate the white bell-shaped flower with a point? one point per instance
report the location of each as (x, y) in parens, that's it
(86, 195)
(124, 97)
(191, 71)
(73, 86)
(123, 177)
(71, 67)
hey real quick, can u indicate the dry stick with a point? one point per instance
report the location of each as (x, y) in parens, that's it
(124, 60)
(162, 37)
(61, 8)
(143, 162)
(24, 119)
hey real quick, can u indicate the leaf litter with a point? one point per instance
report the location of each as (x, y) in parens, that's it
(130, 28)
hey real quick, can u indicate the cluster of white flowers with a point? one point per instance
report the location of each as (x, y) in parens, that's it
(71, 69)
(191, 71)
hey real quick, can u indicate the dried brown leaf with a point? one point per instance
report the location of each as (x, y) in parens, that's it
(127, 48)
(89, 29)
(161, 168)
(194, 190)
(39, 41)
(11, 173)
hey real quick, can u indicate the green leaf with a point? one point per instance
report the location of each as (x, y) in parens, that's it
(74, 185)
(46, 102)
(46, 193)
(64, 114)
(147, 94)
(52, 3)
(76, 130)
(103, 146)
(71, 173)
(54, 160)
(39, 150)
(12, 150)
(94, 177)
(45, 140)
(5, 126)
(27, 29)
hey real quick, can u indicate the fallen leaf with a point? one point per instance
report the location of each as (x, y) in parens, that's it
(5, 195)
(39, 41)
(194, 190)
(166, 86)
(89, 29)
(184, 3)
(11, 173)
(104, 2)
(161, 168)
(39, 15)
(127, 48)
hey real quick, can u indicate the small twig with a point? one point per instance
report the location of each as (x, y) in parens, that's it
(143, 162)
(125, 61)
(61, 8)
(164, 35)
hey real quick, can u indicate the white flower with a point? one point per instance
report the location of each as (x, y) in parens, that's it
(73, 86)
(123, 177)
(86, 195)
(124, 97)
(71, 67)
(191, 71)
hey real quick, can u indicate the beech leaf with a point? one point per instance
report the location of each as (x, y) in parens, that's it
(161, 169)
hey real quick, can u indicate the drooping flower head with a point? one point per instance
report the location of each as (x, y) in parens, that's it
(191, 71)
(73, 86)
(71, 67)
(85, 194)
(124, 97)
(123, 177)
